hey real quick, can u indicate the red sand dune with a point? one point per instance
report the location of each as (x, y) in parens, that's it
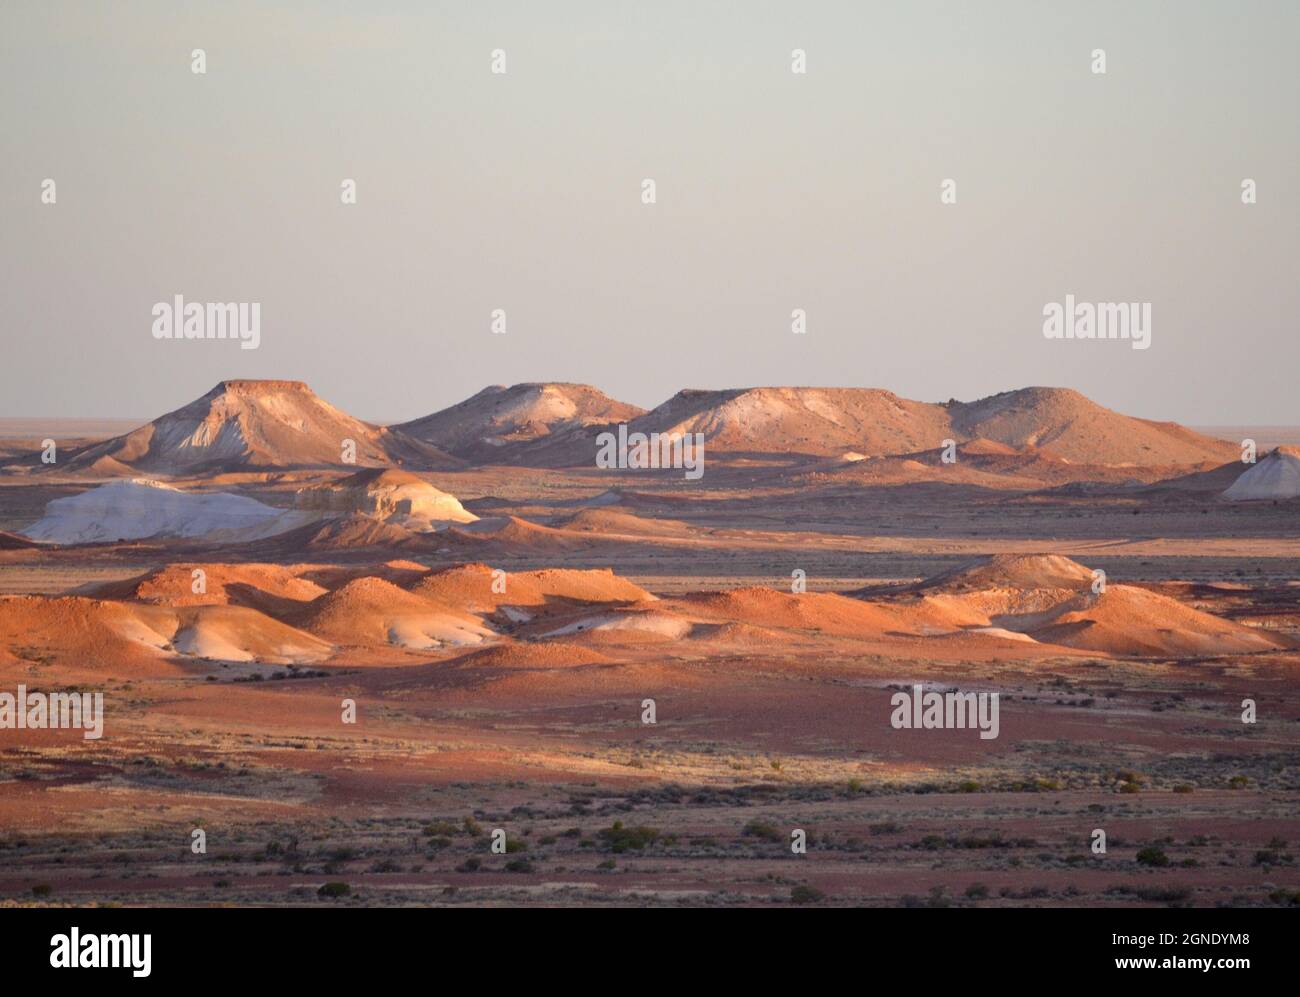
(91, 634)
(824, 612)
(470, 586)
(129, 639)
(308, 613)
(268, 587)
(1051, 599)
(373, 611)
(552, 654)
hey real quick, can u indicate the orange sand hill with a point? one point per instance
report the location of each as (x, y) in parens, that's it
(554, 654)
(374, 611)
(89, 634)
(1033, 605)
(470, 586)
(1131, 621)
(1051, 599)
(821, 612)
(236, 633)
(129, 639)
(266, 587)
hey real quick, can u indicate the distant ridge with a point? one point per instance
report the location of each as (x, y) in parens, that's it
(246, 425)
(826, 422)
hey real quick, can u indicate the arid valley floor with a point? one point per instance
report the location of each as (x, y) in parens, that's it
(500, 664)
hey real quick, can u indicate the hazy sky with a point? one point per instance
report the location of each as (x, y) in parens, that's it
(775, 191)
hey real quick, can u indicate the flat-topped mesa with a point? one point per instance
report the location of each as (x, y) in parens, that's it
(248, 425)
(264, 386)
(877, 422)
(499, 418)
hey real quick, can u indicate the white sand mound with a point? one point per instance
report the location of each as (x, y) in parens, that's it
(139, 508)
(435, 630)
(1277, 476)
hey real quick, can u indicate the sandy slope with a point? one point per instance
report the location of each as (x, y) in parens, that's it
(124, 639)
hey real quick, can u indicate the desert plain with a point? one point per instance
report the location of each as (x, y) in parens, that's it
(350, 671)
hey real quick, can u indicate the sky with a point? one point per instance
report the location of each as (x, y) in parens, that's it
(775, 191)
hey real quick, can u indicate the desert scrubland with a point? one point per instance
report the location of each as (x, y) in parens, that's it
(354, 676)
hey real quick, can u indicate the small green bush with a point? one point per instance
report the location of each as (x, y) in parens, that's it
(619, 838)
(1153, 856)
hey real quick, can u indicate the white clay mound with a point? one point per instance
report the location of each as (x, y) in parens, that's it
(140, 508)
